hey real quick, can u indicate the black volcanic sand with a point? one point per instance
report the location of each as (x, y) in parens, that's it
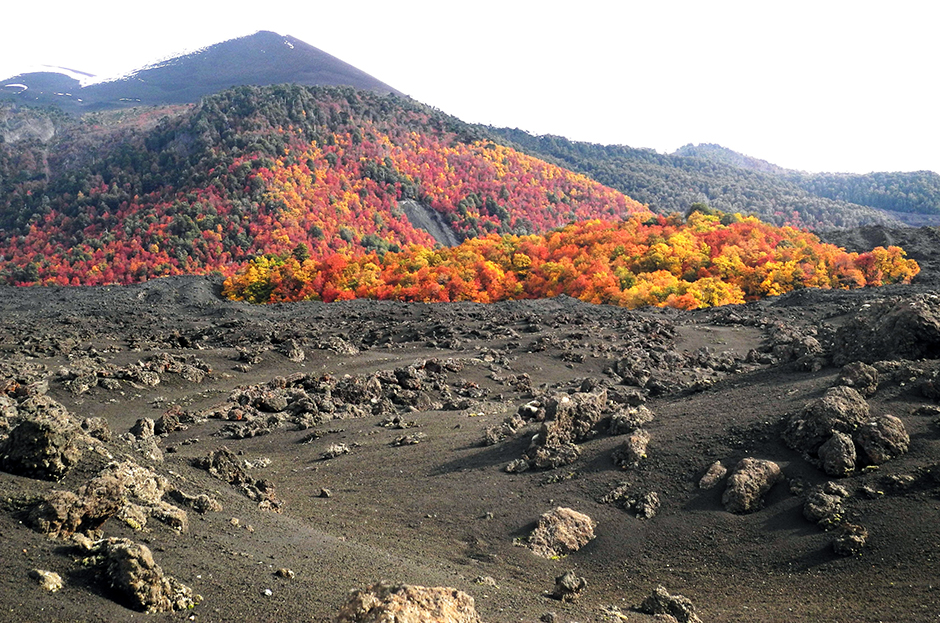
(444, 512)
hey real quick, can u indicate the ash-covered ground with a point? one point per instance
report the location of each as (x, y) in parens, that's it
(272, 459)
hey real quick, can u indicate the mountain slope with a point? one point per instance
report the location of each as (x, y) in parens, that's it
(260, 59)
(906, 193)
(283, 169)
(671, 183)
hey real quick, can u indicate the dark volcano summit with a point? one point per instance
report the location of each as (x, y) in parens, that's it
(260, 59)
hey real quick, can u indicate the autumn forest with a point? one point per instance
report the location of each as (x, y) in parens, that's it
(296, 193)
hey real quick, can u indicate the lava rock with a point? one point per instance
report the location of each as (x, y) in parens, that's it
(840, 409)
(569, 586)
(383, 603)
(838, 455)
(861, 377)
(677, 606)
(751, 480)
(850, 541)
(131, 571)
(561, 531)
(633, 450)
(713, 476)
(883, 439)
(45, 448)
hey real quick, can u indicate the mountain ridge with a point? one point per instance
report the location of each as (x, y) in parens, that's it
(259, 59)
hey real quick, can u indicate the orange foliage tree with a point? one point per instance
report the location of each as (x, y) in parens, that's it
(701, 261)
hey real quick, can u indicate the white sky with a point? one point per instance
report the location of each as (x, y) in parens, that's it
(818, 86)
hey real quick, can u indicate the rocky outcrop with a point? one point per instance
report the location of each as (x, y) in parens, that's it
(677, 606)
(130, 570)
(838, 455)
(861, 377)
(384, 603)
(882, 439)
(45, 448)
(569, 419)
(840, 409)
(122, 489)
(223, 464)
(897, 328)
(569, 586)
(560, 532)
(751, 480)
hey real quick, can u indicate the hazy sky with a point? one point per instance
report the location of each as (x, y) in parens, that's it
(818, 86)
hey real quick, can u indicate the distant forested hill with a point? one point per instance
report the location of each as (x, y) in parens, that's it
(916, 192)
(732, 182)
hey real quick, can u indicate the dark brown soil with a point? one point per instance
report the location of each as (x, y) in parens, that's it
(444, 512)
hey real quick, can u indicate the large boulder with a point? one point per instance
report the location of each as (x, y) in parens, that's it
(45, 448)
(384, 603)
(882, 439)
(859, 376)
(838, 455)
(575, 417)
(752, 478)
(660, 602)
(841, 409)
(560, 532)
(897, 328)
(131, 571)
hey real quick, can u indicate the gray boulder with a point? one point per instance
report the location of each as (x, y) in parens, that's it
(384, 603)
(677, 606)
(840, 409)
(859, 376)
(838, 455)
(882, 439)
(43, 448)
(751, 480)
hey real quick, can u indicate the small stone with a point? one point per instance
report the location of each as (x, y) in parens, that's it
(325, 493)
(713, 476)
(285, 573)
(569, 586)
(47, 580)
(335, 450)
(850, 540)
